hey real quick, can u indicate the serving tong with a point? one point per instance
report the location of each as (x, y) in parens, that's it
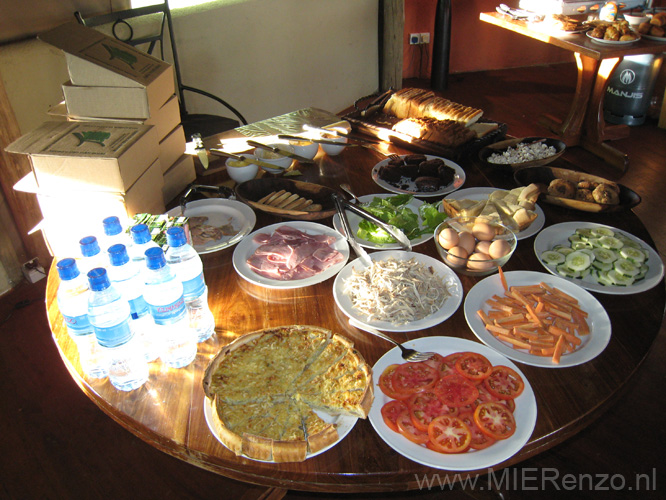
(341, 205)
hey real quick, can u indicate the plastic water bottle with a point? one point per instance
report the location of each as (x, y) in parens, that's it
(91, 254)
(164, 294)
(109, 315)
(141, 241)
(114, 234)
(73, 294)
(125, 277)
(187, 265)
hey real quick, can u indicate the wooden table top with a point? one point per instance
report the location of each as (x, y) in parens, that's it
(168, 411)
(575, 42)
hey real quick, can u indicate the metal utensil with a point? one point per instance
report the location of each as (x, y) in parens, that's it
(279, 151)
(264, 164)
(360, 252)
(347, 189)
(338, 133)
(318, 141)
(411, 355)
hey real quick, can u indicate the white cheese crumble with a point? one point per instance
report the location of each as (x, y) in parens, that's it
(522, 153)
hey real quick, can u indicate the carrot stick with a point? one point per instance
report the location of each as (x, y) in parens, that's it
(503, 279)
(559, 347)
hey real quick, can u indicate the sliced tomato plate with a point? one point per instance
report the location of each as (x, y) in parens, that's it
(474, 459)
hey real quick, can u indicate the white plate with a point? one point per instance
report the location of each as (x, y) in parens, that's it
(525, 413)
(612, 42)
(482, 193)
(558, 234)
(458, 179)
(355, 219)
(343, 424)
(248, 246)
(220, 212)
(598, 320)
(661, 39)
(448, 276)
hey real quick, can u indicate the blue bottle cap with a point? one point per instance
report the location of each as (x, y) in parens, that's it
(118, 254)
(67, 269)
(89, 246)
(112, 226)
(155, 258)
(140, 234)
(176, 236)
(98, 279)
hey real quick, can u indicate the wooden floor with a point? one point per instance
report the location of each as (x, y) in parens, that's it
(56, 444)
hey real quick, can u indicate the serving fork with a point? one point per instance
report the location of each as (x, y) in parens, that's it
(411, 355)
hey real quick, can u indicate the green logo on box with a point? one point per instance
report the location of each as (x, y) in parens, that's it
(97, 137)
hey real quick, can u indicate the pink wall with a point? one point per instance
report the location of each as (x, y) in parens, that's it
(475, 45)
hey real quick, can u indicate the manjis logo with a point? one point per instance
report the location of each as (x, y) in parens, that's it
(624, 93)
(627, 76)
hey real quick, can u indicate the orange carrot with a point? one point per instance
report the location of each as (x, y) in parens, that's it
(503, 279)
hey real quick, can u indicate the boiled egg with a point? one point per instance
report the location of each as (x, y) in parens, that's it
(498, 249)
(479, 262)
(483, 247)
(467, 241)
(483, 231)
(457, 256)
(448, 238)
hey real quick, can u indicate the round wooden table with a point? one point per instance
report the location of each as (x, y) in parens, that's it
(168, 411)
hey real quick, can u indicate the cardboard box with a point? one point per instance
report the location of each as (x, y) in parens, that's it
(68, 217)
(172, 147)
(165, 120)
(96, 59)
(88, 156)
(178, 177)
(111, 102)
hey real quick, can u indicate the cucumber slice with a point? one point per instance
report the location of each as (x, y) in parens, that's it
(628, 242)
(566, 272)
(601, 265)
(604, 255)
(619, 279)
(626, 268)
(603, 231)
(574, 238)
(563, 250)
(642, 271)
(578, 245)
(588, 251)
(632, 254)
(552, 258)
(577, 261)
(611, 242)
(603, 278)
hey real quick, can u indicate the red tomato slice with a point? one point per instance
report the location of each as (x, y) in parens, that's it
(486, 397)
(425, 406)
(406, 428)
(479, 440)
(473, 366)
(456, 391)
(391, 411)
(495, 420)
(386, 383)
(449, 434)
(444, 368)
(504, 383)
(409, 378)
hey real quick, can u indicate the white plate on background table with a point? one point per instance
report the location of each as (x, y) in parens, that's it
(354, 220)
(525, 413)
(343, 424)
(558, 234)
(593, 344)
(661, 39)
(613, 42)
(482, 193)
(458, 179)
(248, 246)
(449, 307)
(220, 212)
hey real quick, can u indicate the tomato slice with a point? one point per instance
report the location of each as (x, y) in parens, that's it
(406, 428)
(425, 406)
(456, 391)
(449, 434)
(504, 383)
(444, 368)
(409, 378)
(495, 420)
(391, 411)
(473, 366)
(480, 440)
(486, 397)
(386, 383)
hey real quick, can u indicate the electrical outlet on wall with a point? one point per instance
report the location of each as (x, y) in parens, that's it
(414, 38)
(425, 37)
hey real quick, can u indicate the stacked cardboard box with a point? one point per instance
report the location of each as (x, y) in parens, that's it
(110, 80)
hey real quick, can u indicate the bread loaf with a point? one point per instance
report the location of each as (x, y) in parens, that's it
(420, 103)
(449, 133)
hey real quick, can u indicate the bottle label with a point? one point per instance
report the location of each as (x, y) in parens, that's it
(111, 336)
(166, 314)
(78, 325)
(138, 307)
(194, 287)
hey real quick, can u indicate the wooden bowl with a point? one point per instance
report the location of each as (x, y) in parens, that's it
(502, 146)
(544, 175)
(254, 190)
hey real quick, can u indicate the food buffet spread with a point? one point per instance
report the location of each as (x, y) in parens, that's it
(501, 279)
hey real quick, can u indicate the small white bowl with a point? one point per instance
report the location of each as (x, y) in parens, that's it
(636, 19)
(281, 163)
(330, 149)
(305, 148)
(242, 173)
